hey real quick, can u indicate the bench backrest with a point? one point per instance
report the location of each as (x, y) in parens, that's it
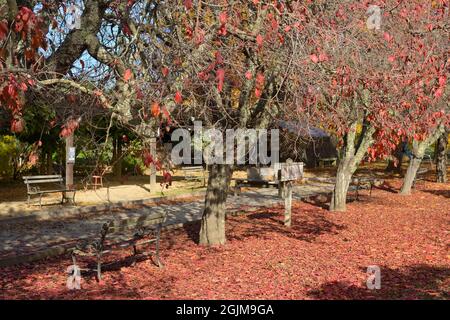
(42, 179)
(134, 223)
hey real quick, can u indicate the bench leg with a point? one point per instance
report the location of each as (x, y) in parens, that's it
(158, 234)
(28, 200)
(40, 201)
(99, 268)
(357, 191)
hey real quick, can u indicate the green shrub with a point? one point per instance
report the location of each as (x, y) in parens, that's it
(9, 151)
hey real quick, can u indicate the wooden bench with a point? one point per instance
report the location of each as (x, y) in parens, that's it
(361, 183)
(190, 173)
(116, 234)
(420, 175)
(327, 161)
(57, 182)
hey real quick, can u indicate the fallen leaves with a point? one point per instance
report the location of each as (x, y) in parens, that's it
(323, 256)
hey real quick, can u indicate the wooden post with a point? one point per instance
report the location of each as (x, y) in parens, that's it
(152, 166)
(69, 165)
(288, 204)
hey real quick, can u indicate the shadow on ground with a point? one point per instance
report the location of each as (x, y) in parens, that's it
(411, 282)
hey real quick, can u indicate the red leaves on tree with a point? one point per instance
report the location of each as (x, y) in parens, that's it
(220, 76)
(127, 75)
(314, 58)
(219, 58)
(248, 75)
(387, 37)
(199, 36)
(167, 179)
(156, 109)
(69, 128)
(178, 97)
(259, 41)
(165, 71)
(126, 29)
(17, 125)
(3, 29)
(259, 84)
(223, 17)
(187, 4)
(147, 158)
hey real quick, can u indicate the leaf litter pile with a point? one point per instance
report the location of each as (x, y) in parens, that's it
(324, 255)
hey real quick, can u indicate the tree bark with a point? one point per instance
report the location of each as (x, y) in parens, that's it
(343, 178)
(117, 157)
(212, 231)
(348, 164)
(418, 153)
(414, 165)
(441, 158)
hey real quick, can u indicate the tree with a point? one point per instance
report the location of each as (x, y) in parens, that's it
(387, 79)
(228, 72)
(441, 158)
(102, 59)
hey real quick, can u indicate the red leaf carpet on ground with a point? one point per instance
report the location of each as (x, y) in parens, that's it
(323, 256)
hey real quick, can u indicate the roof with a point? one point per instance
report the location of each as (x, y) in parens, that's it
(302, 129)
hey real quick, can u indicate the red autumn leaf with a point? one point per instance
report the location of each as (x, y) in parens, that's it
(260, 79)
(219, 58)
(69, 128)
(126, 29)
(223, 17)
(323, 57)
(314, 58)
(259, 40)
(178, 97)
(248, 75)
(128, 74)
(82, 64)
(187, 4)
(439, 92)
(147, 157)
(17, 125)
(387, 37)
(156, 109)
(33, 158)
(165, 71)
(3, 29)
(220, 75)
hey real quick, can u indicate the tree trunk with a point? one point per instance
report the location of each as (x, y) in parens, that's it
(441, 158)
(351, 157)
(339, 196)
(212, 231)
(410, 176)
(418, 153)
(117, 157)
